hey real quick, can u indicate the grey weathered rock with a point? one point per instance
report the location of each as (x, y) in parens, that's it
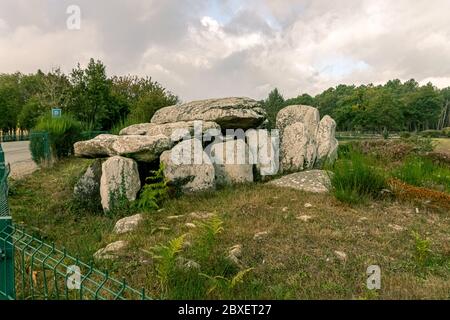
(87, 190)
(175, 131)
(111, 251)
(128, 224)
(141, 148)
(100, 146)
(120, 180)
(316, 181)
(327, 145)
(231, 162)
(264, 151)
(298, 127)
(229, 113)
(189, 167)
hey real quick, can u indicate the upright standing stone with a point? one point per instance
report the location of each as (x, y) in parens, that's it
(189, 167)
(120, 181)
(87, 190)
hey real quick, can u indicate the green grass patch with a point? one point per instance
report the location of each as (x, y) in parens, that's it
(423, 172)
(356, 179)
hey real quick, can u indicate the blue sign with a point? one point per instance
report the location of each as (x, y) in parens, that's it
(56, 113)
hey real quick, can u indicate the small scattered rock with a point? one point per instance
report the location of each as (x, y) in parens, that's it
(308, 205)
(127, 224)
(186, 264)
(342, 256)
(235, 253)
(202, 215)
(396, 227)
(111, 251)
(304, 218)
(175, 217)
(417, 210)
(190, 225)
(260, 235)
(285, 209)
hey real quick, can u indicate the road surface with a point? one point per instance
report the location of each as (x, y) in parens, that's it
(18, 155)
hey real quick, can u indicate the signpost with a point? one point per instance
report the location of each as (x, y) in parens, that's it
(56, 112)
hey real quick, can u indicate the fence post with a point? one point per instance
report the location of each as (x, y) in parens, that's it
(7, 278)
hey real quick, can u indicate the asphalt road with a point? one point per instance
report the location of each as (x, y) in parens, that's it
(18, 155)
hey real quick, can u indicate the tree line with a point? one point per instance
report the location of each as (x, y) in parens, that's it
(97, 101)
(394, 106)
(102, 103)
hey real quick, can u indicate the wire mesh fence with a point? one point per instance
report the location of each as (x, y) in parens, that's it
(43, 272)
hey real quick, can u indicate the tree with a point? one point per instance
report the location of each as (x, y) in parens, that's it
(273, 104)
(90, 95)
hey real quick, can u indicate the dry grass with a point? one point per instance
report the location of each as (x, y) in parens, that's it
(296, 260)
(442, 145)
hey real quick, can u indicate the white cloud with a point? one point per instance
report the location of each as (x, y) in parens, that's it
(297, 46)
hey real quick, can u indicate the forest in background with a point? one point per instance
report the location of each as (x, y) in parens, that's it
(105, 103)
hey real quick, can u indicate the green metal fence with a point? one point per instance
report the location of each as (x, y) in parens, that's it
(6, 250)
(14, 137)
(43, 272)
(33, 269)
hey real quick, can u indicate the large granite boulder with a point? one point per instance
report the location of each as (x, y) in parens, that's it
(87, 190)
(315, 181)
(298, 130)
(99, 147)
(141, 148)
(264, 151)
(327, 145)
(187, 166)
(229, 113)
(120, 181)
(232, 162)
(176, 131)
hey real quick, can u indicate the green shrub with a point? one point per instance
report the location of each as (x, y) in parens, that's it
(63, 132)
(432, 134)
(154, 192)
(355, 180)
(423, 172)
(40, 147)
(405, 135)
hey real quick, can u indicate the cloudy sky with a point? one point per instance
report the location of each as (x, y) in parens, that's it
(216, 48)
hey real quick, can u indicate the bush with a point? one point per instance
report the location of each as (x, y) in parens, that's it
(62, 132)
(432, 134)
(405, 135)
(354, 180)
(422, 172)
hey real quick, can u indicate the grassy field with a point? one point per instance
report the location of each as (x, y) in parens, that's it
(300, 252)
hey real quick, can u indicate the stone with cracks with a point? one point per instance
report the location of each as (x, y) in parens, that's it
(231, 162)
(229, 113)
(189, 167)
(315, 181)
(141, 148)
(176, 131)
(87, 190)
(327, 145)
(119, 181)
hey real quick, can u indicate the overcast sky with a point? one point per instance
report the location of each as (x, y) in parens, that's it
(201, 49)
